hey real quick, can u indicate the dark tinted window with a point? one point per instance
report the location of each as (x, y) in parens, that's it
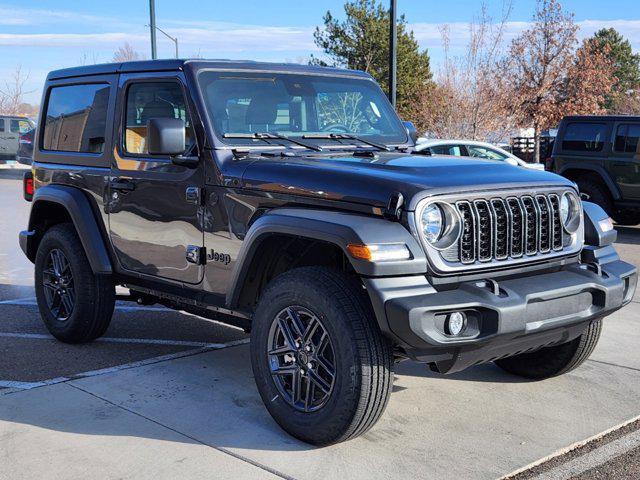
(76, 118)
(584, 137)
(1, 124)
(627, 138)
(153, 100)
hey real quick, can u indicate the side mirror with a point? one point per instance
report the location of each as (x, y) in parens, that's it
(411, 131)
(166, 136)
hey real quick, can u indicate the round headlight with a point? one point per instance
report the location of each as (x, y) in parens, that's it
(439, 225)
(564, 209)
(432, 223)
(570, 212)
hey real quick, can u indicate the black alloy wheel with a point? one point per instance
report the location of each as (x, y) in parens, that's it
(59, 289)
(301, 358)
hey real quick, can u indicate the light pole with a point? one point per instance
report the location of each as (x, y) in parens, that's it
(173, 39)
(393, 34)
(152, 28)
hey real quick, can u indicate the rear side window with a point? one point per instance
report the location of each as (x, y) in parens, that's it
(584, 137)
(627, 136)
(76, 117)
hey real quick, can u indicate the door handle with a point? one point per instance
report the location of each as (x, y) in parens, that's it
(122, 185)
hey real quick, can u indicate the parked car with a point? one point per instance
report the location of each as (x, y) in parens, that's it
(472, 148)
(602, 155)
(254, 194)
(11, 127)
(25, 147)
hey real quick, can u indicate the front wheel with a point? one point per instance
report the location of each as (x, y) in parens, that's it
(556, 360)
(322, 367)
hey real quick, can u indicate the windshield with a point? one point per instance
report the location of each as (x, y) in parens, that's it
(298, 106)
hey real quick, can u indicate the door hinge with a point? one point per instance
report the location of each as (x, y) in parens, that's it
(196, 255)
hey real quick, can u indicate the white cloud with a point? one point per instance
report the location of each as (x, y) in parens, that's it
(224, 37)
(428, 34)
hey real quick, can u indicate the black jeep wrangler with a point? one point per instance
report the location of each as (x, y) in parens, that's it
(602, 155)
(284, 199)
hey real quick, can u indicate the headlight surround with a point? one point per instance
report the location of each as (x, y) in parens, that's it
(439, 224)
(570, 212)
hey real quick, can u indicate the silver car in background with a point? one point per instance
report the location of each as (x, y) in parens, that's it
(472, 148)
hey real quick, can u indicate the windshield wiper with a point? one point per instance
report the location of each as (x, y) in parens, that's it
(347, 136)
(266, 136)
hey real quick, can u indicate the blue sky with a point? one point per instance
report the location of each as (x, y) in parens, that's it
(45, 35)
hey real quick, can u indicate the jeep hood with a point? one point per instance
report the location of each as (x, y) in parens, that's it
(372, 180)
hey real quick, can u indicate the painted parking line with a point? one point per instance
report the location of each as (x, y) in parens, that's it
(143, 341)
(10, 386)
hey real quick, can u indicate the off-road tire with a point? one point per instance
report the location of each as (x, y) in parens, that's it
(363, 356)
(94, 294)
(556, 360)
(596, 192)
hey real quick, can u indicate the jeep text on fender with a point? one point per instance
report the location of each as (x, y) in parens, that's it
(285, 199)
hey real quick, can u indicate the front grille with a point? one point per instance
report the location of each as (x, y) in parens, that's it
(497, 229)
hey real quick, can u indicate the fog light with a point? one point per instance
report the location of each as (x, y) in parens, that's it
(455, 323)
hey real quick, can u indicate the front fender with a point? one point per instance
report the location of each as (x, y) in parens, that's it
(337, 228)
(79, 209)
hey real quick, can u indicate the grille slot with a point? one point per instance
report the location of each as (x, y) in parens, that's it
(503, 228)
(467, 237)
(556, 236)
(485, 230)
(501, 220)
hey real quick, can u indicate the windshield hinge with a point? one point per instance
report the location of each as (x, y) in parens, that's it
(394, 207)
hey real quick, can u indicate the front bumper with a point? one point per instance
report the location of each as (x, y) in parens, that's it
(505, 318)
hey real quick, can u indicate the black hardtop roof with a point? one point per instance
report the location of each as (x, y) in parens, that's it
(591, 118)
(164, 65)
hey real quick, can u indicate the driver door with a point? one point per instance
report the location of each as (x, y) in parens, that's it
(154, 205)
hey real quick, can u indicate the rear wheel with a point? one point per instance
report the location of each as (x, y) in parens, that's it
(322, 367)
(556, 360)
(75, 305)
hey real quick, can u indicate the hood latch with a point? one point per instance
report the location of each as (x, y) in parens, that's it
(394, 207)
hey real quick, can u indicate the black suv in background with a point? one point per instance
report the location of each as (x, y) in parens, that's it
(602, 155)
(285, 199)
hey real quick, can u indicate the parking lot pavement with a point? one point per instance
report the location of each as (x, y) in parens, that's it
(165, 394)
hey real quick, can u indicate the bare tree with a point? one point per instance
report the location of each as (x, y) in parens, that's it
(13, 92)
(547, 78)
(465, 103)
(88, 58)
(127, 53)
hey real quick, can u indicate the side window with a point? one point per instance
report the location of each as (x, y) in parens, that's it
(447, 150)
(75, 120)
(1, 124)
(483, 152)
(584, 137)
(20, 126)
(627, 136)
(153, 100)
